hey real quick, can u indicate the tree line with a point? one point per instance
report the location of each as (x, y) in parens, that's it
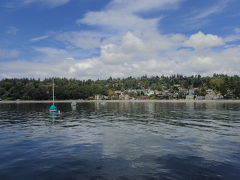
(36, 89)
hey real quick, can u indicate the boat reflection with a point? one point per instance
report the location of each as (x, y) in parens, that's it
(52, 115)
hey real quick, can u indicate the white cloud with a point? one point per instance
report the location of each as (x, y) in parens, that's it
(232, 38)
(34, 69)
(201, 40)
(131, 57)
(23, 3)
(52, 55)
(200, 17)
(217, 8)
(120, 15)
(131, 6)
(50, 3)
(118, 21)
(129, 45)
(39, 38)
(82, 39)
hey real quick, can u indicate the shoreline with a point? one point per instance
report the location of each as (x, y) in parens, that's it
(118, 101)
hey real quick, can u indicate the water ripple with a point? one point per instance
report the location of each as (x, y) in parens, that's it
(120, 141)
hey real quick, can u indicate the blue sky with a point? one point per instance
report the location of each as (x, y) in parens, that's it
(119, 38)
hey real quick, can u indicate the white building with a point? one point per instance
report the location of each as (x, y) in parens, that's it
(190, 97)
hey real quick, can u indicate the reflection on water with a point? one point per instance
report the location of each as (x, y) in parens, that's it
(127, 140)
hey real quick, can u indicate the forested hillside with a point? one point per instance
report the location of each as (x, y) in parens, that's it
(32, 89)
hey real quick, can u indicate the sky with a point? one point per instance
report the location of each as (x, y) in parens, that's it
(98, 39)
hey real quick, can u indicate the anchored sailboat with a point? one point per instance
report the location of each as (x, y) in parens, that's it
(53, 108)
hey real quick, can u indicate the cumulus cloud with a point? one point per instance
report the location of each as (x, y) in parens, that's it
(187, 63)
(118, 61)
(201, 40)
(129, 45)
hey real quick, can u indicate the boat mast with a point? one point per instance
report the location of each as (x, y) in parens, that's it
(53, 91)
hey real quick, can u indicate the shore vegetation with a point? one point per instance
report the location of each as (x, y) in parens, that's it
(154, 87)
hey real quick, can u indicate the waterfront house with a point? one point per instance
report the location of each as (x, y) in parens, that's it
(118, 92)
(100, 97)
(124, 97)
(190, 97)
(199, 97)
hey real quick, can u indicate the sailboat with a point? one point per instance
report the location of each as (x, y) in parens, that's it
(53, 108)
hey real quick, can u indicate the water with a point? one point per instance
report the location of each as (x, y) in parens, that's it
(120, 141)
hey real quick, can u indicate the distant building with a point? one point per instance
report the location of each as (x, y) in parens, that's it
(210, 91)
(148, 92)
(229, 95)
(118, 92)
(213, 97)
(156, 92)
(220, 96)
(189, 97)
(175, 95)
(100, 97)
(124, 97)
(199, 97)
(97, 97)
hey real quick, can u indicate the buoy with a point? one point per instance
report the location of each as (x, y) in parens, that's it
(53, 108)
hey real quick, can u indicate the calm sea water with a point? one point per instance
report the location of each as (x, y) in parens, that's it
(120, 141)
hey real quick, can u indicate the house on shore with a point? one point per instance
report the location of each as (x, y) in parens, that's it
(100, 97)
